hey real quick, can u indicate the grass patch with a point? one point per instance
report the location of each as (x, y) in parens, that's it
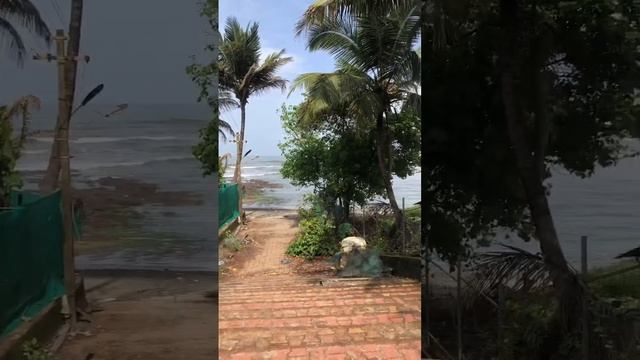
(414, 212)
(232, 243)
(605, 282)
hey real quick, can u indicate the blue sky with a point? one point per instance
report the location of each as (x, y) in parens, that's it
(277, 21)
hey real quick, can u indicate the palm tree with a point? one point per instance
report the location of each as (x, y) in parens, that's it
(10, 146)
(226, 102)
(28, 16)
(242, 74)
(377, 72)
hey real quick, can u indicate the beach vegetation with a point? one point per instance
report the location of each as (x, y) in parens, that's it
(516, 92)
(25, 14)
(333, 157)
(317, 235)
(621, 280)
(232, 243)
(33, 350)
(206, 78)
(377, 76)
(12, 142)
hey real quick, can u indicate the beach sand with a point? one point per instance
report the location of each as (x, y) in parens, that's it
(147, 315)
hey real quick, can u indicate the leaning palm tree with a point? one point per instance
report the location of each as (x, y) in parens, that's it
(26, 14)
(378, 72)
(242, 74)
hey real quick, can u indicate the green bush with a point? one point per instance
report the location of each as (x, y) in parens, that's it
(232, 243)
(344, 230)
(316, 238)
(32, 350)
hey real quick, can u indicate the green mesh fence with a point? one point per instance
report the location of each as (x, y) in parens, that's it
(228, 202)
(31, 268)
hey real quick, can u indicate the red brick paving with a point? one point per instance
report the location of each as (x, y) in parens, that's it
(288, 316)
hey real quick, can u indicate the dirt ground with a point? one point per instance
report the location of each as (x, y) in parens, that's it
(147, 315)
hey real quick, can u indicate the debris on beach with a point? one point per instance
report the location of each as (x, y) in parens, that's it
(355, 260)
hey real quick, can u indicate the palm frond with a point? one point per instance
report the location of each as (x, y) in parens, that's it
(226, 101)
(239, 50)
(322, 10)
(264, 76)
(28, 15)
(225, 128)
(15, 43)
(516, 268)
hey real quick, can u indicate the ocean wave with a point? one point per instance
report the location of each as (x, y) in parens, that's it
(257, 167)
(101, 140)
(92, 166)
(34, 152)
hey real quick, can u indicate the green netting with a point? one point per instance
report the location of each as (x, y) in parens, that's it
(23, 198)
(228, 202)
(31, 267)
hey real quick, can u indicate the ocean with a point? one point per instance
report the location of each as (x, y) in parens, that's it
(604, 207)
(287, 196)
(152, 144)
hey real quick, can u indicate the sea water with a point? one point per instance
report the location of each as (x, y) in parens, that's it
(153, 143)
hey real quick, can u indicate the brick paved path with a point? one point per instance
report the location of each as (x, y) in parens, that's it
(277, 314)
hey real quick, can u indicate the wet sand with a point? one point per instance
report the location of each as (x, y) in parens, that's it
(147, 315)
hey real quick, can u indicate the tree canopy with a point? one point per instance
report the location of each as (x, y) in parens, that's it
(576, 72)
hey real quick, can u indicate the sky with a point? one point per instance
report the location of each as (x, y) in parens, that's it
(276, 21)
(139, 50)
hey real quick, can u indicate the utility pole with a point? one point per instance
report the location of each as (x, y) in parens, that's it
(62, 156)
(50, 180)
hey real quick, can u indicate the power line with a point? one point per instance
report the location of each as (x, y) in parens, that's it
(58, 10)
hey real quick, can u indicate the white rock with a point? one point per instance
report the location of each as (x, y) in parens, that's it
(353, 242)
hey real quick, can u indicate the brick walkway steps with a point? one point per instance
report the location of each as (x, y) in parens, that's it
(291, 317)
(267, 311)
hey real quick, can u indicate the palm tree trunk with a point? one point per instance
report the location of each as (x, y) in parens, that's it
(530, 168)
(237, 174)
(382, 147)
(52, 175)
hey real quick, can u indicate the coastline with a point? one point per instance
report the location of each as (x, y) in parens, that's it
(132, 224)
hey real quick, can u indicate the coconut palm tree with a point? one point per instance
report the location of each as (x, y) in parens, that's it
(27, 15)
(378, 71)
(242, 74)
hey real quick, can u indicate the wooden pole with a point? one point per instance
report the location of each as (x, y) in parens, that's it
(459, 307)
(500, 319)
(425, 292)
(404, 232)
(364, 221)
(585, 302)
(63, 150)
(52, 175)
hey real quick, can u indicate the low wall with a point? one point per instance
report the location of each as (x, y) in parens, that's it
(403, 266)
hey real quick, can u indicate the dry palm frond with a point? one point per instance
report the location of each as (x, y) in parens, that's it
(21, 108)
(516, 268)
(224, 162)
